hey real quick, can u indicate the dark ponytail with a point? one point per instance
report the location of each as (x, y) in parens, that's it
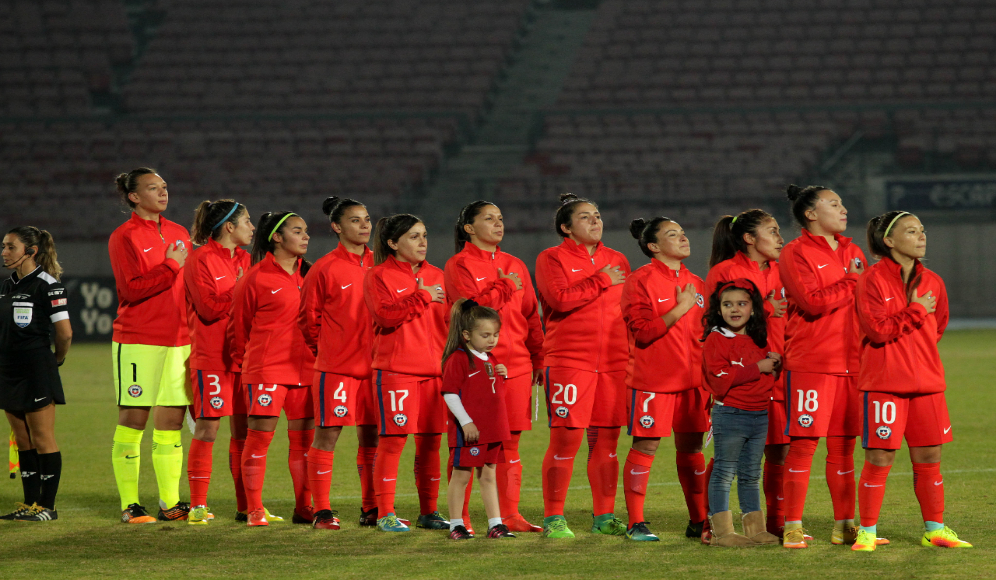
(45, 256)
(565, 213)
(391, 229)
(875, 233)
(467, 216)
(803, 199)
(128, 182)
(334, 207)
(645, 232)
(262, 241)
(728, 235)
(209, 213)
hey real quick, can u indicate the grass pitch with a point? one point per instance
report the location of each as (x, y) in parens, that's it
(88, 542)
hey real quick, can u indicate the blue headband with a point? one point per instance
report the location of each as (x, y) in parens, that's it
(227, 215)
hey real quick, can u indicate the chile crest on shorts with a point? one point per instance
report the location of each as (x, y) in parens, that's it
(264, 400)
(217, 402)
(806, 420)
(646, 421)
(135, 391)
(340, 411)
(561, 411)
(475, 451)
(883, 432)
(400, 419)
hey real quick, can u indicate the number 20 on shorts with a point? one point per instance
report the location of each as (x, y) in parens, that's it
(569, 392)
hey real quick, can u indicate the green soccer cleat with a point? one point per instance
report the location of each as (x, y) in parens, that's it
(608, 525)
(244, 517)
(640, 533)
(433, 521)
(943, 538)
(198, 516)
(865, 542)
(556, 527)
(390, 523)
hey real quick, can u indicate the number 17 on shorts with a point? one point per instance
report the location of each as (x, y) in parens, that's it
(397, 407)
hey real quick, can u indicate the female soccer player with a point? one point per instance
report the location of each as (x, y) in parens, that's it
(586, 353)
(276, 364)
(151, 344)
(338, 329)
(32, 302)
(820, 270)
(209, 277)
(748, 246)
(903, 311)
(662, 304)
(480, 271)
(404, 293)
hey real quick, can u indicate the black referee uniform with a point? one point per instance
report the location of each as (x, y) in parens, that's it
(29, 375)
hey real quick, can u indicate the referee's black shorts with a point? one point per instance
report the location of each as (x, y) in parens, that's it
(29, 380)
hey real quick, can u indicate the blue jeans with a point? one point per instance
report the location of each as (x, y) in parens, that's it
(739, 436)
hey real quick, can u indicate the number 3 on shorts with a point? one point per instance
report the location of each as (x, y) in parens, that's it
(214, 381)
(807, 401)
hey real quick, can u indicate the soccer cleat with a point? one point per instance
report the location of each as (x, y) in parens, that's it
(19, 509)
(37, 513)
(608, 525)
(556, 527)
(390, 523)
(695, 529)
(841, 536)
(460, 533)
(326, 520)
(198, 516)
(500, 531)
(795, 539)
(257, 518)
(943, 538)
(865, 542)
(640, 533)
(176, 513)
(303, 515)
(244, 517)
(136, 514)
(433, 521)
(368, 518)
(517, 523)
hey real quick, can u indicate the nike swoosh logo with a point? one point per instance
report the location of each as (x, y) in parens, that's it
(346, 286)
(663, 299)
(479, 279)
(939, 482)
(839, 472)
(472, 374)
(131, 456)
(866, 485)
(435, 478)
(823, 266)
(612, 455)
(275, 291)
(700, 472)
(559, 458)
(400, 291)
(578, 270)
(887, 299)
(386, 479)
(780, 498)
(220, 277)
(515, 461)
(43, 398)
(196, 477)
(146, 249)
(254, 456)
(324, 472)
(948, 429)
(44, 477)
(632, 472)
(180, 445)
(797, 470)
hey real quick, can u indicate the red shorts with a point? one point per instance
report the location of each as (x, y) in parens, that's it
(412, 406)
(651, 414)
(341, 400)
(776, 424)
(518, 399)
(571, 396)
(888, 417)
(268, 400)
(240, 400)
(691, 412)
(214, 393)
(819, 405)
(478, 455)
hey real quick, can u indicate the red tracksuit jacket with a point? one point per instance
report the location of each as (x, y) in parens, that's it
(731, 373)
(899, 342)
(584, 324)
(473, 273)
(768, 280)
(266, 341)
(209, 277)
(334, 318)
(662, 359)
(482, 394)
(152, 306)
(821, 327)
(409, 328)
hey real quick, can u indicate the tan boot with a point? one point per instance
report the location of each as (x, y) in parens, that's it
(755, 529)
(723, 534)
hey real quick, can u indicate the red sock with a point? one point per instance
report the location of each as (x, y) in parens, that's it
(509, 476)
(795, 484)
(389, 450)
(466, 492)
(254, 466)
(365, 467)
(297, 461)
(199, 470)
(691, 475)
(636, 475)
(320, 477)
(427, 472)
(773, 493)
(235, 466)
(840, 476)
(871, 489)
(558, 465)
(929, 488)
(603, 470)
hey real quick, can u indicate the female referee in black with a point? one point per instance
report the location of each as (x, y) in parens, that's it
(32, 300)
